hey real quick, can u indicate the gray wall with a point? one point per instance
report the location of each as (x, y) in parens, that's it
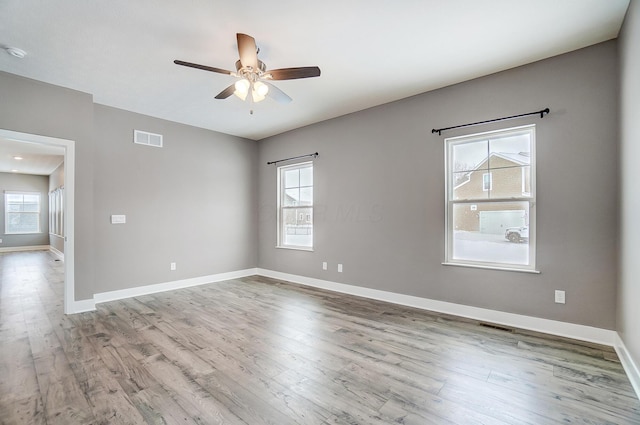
(56, 180)
(26, 183)
(379, 191)
(192, 202)
(629, 288)
(34, 107)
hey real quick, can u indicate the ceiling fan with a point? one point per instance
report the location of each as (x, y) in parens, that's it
(252, 74)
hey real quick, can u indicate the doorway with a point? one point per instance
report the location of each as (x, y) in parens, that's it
(69, 182)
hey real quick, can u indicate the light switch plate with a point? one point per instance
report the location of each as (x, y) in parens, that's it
(118, 219)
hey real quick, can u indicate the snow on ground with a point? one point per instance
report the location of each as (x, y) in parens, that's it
(478, 246)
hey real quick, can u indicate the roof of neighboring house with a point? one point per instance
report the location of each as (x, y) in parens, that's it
(519, 158)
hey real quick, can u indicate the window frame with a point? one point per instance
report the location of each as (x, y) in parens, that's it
(529, 197)
(7, 212)
(281, 207)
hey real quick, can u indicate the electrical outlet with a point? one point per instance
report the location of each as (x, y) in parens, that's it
(339, 268)
(560, 297)
(0, 240)
(324, 263)
(173, 266)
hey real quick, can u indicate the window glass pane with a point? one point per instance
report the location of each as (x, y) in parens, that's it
(473, 188)
(31, 199)
(461, 178)
(510, 151)
(306, 176)
(493, 232)
(470, 156)
(490, 186)
(14, 198)
(510, 182)
(306, 196)
(291, 178)
(31, 207)
(297, 227)
(22, 223)
(291, 197)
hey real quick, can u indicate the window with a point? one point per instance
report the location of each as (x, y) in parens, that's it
(490, 189)
(486, 181)
(295, 206)
(56, 212)
(22, 212)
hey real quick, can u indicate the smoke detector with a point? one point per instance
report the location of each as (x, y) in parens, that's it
(15, 52)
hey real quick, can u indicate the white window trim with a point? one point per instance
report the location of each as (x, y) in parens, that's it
(6, 212)
(279, 242)
(449, 261)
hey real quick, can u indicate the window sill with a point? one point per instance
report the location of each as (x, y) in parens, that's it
(506, 268)
(295, 248)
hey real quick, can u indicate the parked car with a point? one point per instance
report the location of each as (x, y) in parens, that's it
(517, 234)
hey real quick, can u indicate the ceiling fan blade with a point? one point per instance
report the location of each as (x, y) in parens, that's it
(294, 73)
(277, 94)
(247, 50)
(203, 67)
(226, 92)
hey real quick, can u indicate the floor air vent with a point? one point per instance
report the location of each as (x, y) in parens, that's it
(497, 327)
(146, 138)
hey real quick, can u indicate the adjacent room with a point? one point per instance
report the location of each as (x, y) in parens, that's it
(346, 213)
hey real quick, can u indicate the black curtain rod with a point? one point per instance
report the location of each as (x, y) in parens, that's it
(315, 155)
(541, 113)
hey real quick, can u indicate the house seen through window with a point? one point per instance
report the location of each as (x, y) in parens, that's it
(490, 215)
(22, 212)
(295, 206)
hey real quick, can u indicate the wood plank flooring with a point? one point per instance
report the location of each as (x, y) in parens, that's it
(261, 351)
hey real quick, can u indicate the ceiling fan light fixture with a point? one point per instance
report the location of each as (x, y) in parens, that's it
(261, 88)
(241, 95)
(242, 86)
(257, 97)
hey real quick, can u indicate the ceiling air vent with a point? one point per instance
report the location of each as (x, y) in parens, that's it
(146, 138)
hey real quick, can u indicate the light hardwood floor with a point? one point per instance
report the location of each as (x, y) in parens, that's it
(260, 351)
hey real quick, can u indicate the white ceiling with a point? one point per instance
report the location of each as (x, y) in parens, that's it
(36, 158)
(370, 51)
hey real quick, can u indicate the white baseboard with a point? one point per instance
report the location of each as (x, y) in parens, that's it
(57, 253)
(632, 369)
(25, 248)
(137, 291)
(568, 330)
(82, 306)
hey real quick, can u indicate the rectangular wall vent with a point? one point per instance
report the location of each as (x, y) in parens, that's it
(146, 138)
